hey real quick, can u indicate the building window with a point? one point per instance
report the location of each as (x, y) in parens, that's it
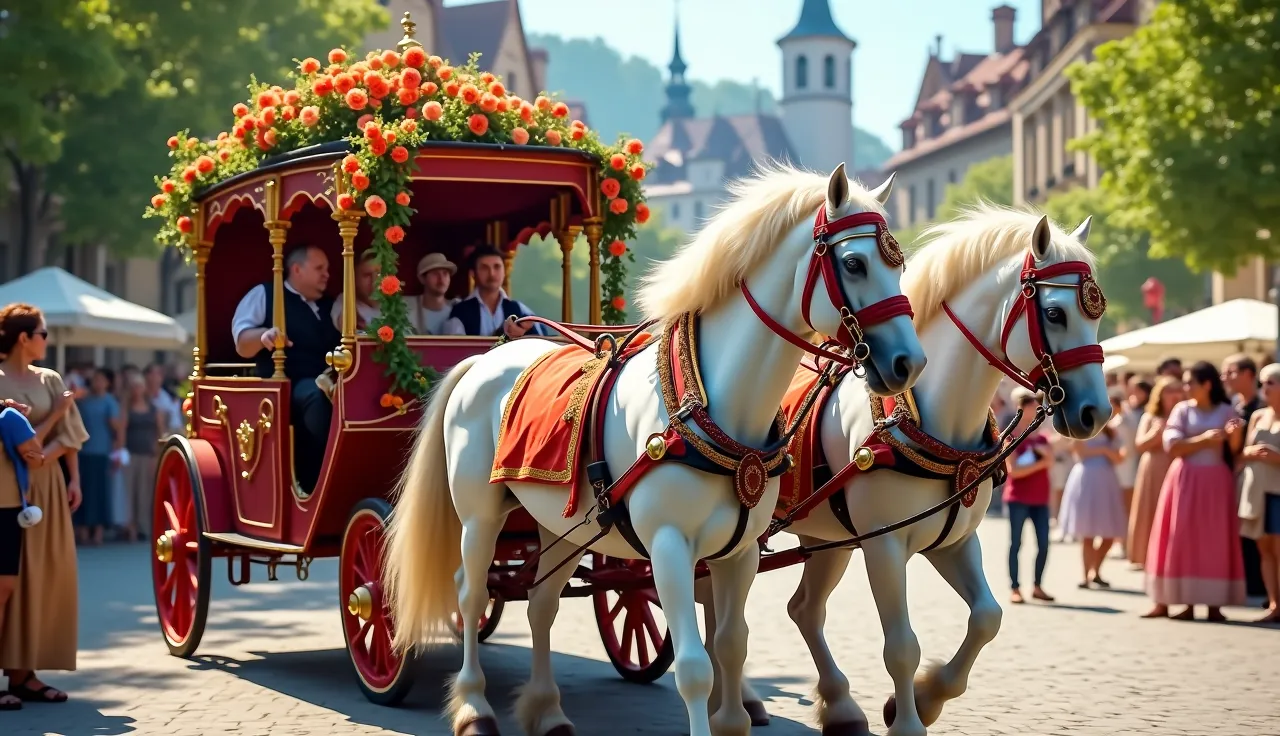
(675, 210)
(697, 209)
(802, 72)
(911, 204)
(930, 199)
(511, 82)
(829, 71)
(951, 176)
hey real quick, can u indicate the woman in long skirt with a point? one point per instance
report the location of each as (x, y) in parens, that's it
(1092, 507)
(1153, 465)
(1194, 554)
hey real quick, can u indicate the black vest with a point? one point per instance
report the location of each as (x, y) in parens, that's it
(467, 312)
(311, 336)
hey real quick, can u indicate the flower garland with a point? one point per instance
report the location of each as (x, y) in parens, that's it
(386, 105)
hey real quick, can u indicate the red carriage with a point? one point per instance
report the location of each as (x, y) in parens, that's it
(227, 490)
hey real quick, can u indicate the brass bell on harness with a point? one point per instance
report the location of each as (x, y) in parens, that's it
(656, 447)
(864, 458)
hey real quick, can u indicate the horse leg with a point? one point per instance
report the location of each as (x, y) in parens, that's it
(468, 710)
(671, 556)
(538, 702)
(838, 712)
(961, 566)
(750, 699)
(886, 559)
(731, 580)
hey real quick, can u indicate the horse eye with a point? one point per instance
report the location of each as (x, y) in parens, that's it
(854, 266)
(1056, 315)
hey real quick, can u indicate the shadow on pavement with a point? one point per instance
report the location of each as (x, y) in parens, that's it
(78, 717)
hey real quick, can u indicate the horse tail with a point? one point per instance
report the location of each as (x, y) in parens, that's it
(424, 536)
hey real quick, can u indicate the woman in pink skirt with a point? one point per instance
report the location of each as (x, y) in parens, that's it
(1194, 553)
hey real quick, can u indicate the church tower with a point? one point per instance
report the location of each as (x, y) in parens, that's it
(679, 106)
(817, 89)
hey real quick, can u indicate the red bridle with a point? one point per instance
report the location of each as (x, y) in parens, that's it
(823, 263)
(1092, 302)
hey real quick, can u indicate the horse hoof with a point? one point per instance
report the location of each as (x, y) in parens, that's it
(484, 726)
(849, 728)
(890, 710)
(755, 709)
(563, 729)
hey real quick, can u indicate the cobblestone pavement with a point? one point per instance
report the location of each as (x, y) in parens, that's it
(272, 662)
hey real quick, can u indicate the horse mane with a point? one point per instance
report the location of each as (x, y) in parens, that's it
(745, 230)
(954, 254)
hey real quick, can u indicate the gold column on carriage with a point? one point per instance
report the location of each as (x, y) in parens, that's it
(200, 252)
(595, 232)
(565, 234)
(278, 232)
(348, 221)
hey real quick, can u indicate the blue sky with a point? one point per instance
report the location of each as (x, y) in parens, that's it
(721, 40)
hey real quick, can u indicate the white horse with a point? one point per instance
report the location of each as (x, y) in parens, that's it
(971, 277)
(441, 538)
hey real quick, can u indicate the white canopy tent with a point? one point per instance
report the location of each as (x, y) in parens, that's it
(1238, 326)
(79, 313)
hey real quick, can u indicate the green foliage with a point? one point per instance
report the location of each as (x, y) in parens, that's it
(1124, 260)
(625, 96)
(1188, 132)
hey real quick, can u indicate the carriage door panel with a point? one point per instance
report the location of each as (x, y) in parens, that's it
(248, 421)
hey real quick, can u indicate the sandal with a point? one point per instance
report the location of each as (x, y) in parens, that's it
(8, 701)
(46, 694)
(1098, 581)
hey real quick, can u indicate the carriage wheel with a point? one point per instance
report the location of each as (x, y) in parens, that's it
(488, 622)
(632, 627)
(181, 560)
(384, 676)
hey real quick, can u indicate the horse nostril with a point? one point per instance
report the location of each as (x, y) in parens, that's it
(902, 367)
(1088, 417)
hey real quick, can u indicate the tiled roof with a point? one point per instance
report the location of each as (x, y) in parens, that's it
(990, 121)
(474, 27)
(816, 20)
(738, 140)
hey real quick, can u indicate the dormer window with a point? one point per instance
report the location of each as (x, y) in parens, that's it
(802, 72)
(829, 71)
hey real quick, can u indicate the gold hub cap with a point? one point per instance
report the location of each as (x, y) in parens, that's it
(164, 547)
(360, 603)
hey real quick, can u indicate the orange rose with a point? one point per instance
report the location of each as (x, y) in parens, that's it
(435, 62)
(376, 206)
(385, 333)
(445, 73)
(411, 113)
(618, 161)
(618, 303)
(310, 115)
(560, 110)
(240, 110)
(359, 69)
(292, 97)
(414, 56)
(479, 124)
(267, 119)
(635, 147)
(390, 59)
(430, 88)
(617, 248)
(610, 187)
(359, 181)
(399, 154)
(502, 105)
(487, 77)
(167, 186)
(173, 142)
(377, 84)
(389, 285)
(407, 97)
(488, 102)
(514, 101)
(249, 122)
(337, 56)
(452, 88)
(402, 199)
(408, 126)
(158, 201)
(189, 174)
(432, 110)
(343, 82)
(618, 206)
(309, 66)
(497, 89)
(577, 134)
(526, 112)
(385, 401)
(469, 93)
(185, 225)
(267, 98)
(346, 201)
(642, 213)
(397, 402)
(390, 137)
(363, 121)
(224, 155)
(378, 147)
(204, 164)
(411, 78)
(395, 234)
(542, 103)
(553, 137)
(350, 164)
(357, 99)
(322, 86)
(519, 136)
(637, 172)
(288, 112)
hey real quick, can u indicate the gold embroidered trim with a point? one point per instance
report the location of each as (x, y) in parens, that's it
(572, 414)
(905, 405)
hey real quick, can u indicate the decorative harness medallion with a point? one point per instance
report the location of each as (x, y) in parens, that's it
(890, 251)
(967, 472)
(1092, 301)
(749, 480)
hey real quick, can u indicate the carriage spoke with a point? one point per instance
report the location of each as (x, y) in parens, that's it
(651, 625)
(616, 609)
(170, 579)
(174, 524)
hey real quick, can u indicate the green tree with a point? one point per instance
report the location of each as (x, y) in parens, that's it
(1125, 260)
(145, 70)
(1188, 132)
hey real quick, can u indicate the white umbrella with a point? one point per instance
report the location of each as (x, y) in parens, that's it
(79, 313)
(1237, 326)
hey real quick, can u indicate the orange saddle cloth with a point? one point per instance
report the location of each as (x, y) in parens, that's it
(543, 423)
(797, 483)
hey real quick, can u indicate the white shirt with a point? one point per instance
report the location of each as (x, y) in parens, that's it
(490, 322)
(366, 312)
(251, 312)
(170, 409)
(427, 321)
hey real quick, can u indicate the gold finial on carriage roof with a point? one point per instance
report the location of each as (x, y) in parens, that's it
(409, 27)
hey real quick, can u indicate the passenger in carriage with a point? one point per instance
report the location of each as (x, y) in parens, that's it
(429, 312)
(485, 312)
(366, 309)
(310, 335)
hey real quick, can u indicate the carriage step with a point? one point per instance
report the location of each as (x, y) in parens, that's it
(239, 540)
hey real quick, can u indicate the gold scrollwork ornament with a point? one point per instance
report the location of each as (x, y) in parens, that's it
(1092, 301)
(249, 438)
(890, 251)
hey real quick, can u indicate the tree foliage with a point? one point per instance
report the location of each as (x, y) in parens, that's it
(1188, 132)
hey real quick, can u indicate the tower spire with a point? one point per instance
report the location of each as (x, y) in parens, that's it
(678, 90)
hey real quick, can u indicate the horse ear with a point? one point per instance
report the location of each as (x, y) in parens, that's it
(1082, 232)
(1040, 238)
(882, 192)
(837, 189)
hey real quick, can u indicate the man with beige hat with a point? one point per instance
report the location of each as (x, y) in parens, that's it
(429, 311)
